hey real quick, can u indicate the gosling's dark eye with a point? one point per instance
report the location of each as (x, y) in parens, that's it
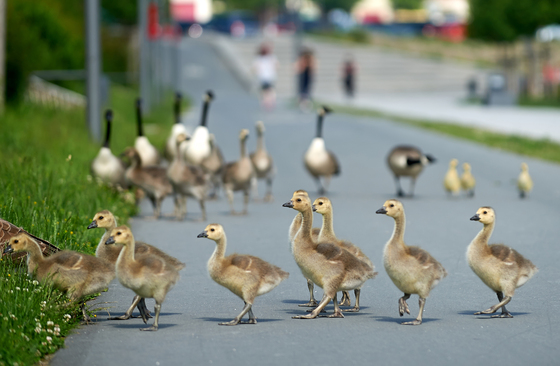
(320, 203)
(485, 212)
(119, 233)
(392, 205)
(211, 229)
(100, 217)
(299, 199)
(16, 241)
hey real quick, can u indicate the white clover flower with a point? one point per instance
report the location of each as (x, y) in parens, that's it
(37, 330)
(49, 339)
(35, 282)
(44, 343)
(50, 323)
(17, 288)
(49, 331)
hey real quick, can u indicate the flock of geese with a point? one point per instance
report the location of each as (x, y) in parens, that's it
(331, 263)
(196, 169)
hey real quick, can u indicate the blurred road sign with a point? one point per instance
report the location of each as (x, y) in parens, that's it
(154, 28)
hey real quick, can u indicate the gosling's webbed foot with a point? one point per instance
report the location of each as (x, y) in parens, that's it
(153, 328)
(355, 309)
(403, 307)
(250, 321)
(503, 315)
(414, 322)
(336, 314)
(123, 317)
(310, 316)
(345, 301)
(492, 310)
(400, 193)
(310, 304)
(233, 322)
(312, 310)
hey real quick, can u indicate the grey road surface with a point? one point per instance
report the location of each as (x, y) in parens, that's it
(450, 335)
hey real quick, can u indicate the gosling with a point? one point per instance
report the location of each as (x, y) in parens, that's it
(451, 181)
(412, 269)
(467, 180)
(244, 275)
(77, 274)
(500, 267)
(148, 276)
(524, 181)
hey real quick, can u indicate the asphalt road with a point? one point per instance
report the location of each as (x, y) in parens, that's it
(451, 334)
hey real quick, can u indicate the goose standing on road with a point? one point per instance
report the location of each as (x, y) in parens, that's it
(107, 166)
(451, 181)
(412, 269)
(318, 160)
(407, 161)
(326, 264)
(178, 128)
(244, 275)
(148, 153)
(187, 181)
(498, 266)
(239, 174)
(148, 276)
(467, 180)
(524, 181)
(263, 164)
(199, 146)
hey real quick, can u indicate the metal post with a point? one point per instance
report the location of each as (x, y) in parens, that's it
(93, 65)
(144, 55)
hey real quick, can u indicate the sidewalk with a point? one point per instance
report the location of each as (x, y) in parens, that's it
(397, 84)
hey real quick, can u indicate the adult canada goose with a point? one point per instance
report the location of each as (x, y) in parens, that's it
(244, 275)
(199, 146)
(214, 165)
(178, 128)
(467, 180)
(326, 264)
(8, 230)
(263, 164)
(412, 269)
(148, 276)
(106, 166)
(451, 181)
(148, 153)
(524, 181)
(500, 267)
(238, 175)
(407, 161)
(152, 180)
(76, 273)
(323, 206)
(292, 232)
(187, 180)
(106, 220)
(318, 160)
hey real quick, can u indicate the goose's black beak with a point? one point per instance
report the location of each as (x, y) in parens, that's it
(203, 234)
(288, 204)
(382, 210)
(8, 249)
(475, 217)
(93, 225)
(111, 240)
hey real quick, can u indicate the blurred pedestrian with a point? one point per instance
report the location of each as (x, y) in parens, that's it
(305, 68)
(265, 67)
(349, 76)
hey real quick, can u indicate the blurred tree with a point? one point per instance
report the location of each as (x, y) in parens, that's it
(328, 5)
(122, 12)
(506, 20)
(41, 35)
(407, 4)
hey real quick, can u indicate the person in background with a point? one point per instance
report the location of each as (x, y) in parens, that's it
(349, 76)
(265, 67)
(305, 68)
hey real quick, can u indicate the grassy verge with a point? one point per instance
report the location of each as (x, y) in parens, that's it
(538, 148)
(45, 188)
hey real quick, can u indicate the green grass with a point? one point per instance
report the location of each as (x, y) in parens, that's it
(46, 189)
(539, 148)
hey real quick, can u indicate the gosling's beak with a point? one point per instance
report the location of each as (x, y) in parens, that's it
(8, 249)
(93, 225)
(382, 210)
(203, 234)
(289, 204)
(314, 208)
(111, 240)
(475, 217)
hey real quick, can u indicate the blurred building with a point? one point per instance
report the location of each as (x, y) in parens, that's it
(373, 12)
(191, 11)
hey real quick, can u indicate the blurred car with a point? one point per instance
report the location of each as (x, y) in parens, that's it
(236, 23)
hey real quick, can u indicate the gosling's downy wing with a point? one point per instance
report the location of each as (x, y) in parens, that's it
(426, 260)
(506, 254)
(331, 252)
